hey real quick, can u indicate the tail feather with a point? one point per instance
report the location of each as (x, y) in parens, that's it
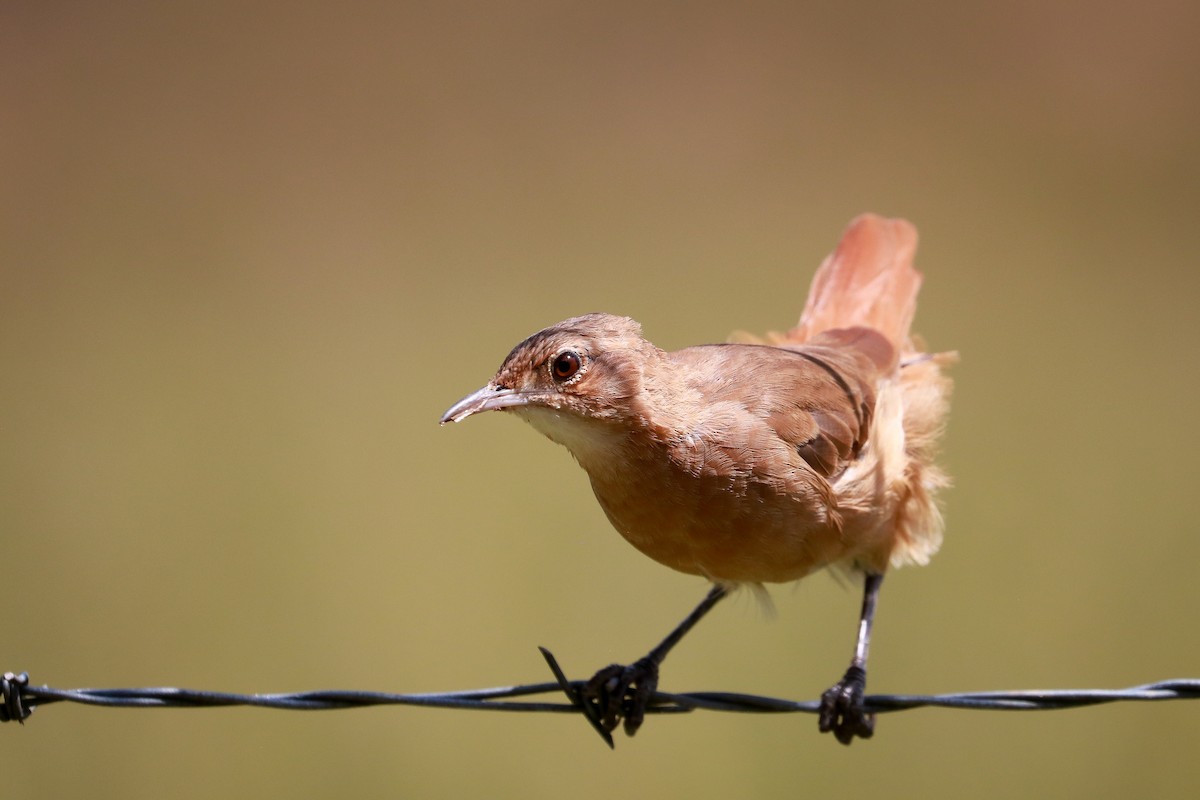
(869, 280)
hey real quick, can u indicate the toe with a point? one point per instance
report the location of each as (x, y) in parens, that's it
(842, 710)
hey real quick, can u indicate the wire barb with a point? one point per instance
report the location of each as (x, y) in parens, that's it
(20, 699)
(573, 693)
(12, 690)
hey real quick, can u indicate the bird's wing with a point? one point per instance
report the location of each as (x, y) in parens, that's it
(816, 398)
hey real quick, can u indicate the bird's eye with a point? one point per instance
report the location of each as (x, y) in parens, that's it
(566, 365)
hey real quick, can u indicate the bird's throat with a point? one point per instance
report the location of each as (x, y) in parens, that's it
(598, 445)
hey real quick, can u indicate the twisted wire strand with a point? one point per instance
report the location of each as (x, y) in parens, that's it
(19, 699)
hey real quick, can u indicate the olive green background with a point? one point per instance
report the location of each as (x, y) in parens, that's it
(250, 252)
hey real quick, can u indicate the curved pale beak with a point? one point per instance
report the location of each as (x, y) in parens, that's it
(489, 398)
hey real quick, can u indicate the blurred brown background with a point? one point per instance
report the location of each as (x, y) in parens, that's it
(250, 252)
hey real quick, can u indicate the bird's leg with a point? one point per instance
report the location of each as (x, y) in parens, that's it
(842, 710)
(623, 692)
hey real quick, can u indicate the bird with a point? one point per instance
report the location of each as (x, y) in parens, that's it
(757, 460)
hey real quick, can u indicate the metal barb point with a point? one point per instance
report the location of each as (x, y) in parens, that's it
(573, 694)
(12, 687)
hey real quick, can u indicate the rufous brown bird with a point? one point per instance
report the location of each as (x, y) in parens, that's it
(754, 462)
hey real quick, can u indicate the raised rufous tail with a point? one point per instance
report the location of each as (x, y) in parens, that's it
(869, 280)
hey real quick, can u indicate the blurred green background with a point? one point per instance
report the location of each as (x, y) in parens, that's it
(250, 252)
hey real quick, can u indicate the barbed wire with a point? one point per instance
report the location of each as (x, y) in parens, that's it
(19, 699)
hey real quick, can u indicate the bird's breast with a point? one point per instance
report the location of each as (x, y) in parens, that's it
(733, 526)
(729, 512)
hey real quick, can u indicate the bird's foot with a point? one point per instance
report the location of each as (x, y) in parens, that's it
(620, 692)
(842, 708)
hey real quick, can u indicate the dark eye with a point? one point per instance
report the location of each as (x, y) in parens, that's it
(566, 365)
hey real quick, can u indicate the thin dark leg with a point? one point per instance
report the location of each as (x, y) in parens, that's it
(659, 653)
(842, 710)
(623, 692)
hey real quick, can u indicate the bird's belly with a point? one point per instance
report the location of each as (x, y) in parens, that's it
(724, 530)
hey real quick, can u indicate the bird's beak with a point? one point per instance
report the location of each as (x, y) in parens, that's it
(489, 398)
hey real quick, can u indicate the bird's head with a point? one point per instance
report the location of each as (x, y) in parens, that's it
(582, 369)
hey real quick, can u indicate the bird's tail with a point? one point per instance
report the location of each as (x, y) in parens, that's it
(868, 281)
